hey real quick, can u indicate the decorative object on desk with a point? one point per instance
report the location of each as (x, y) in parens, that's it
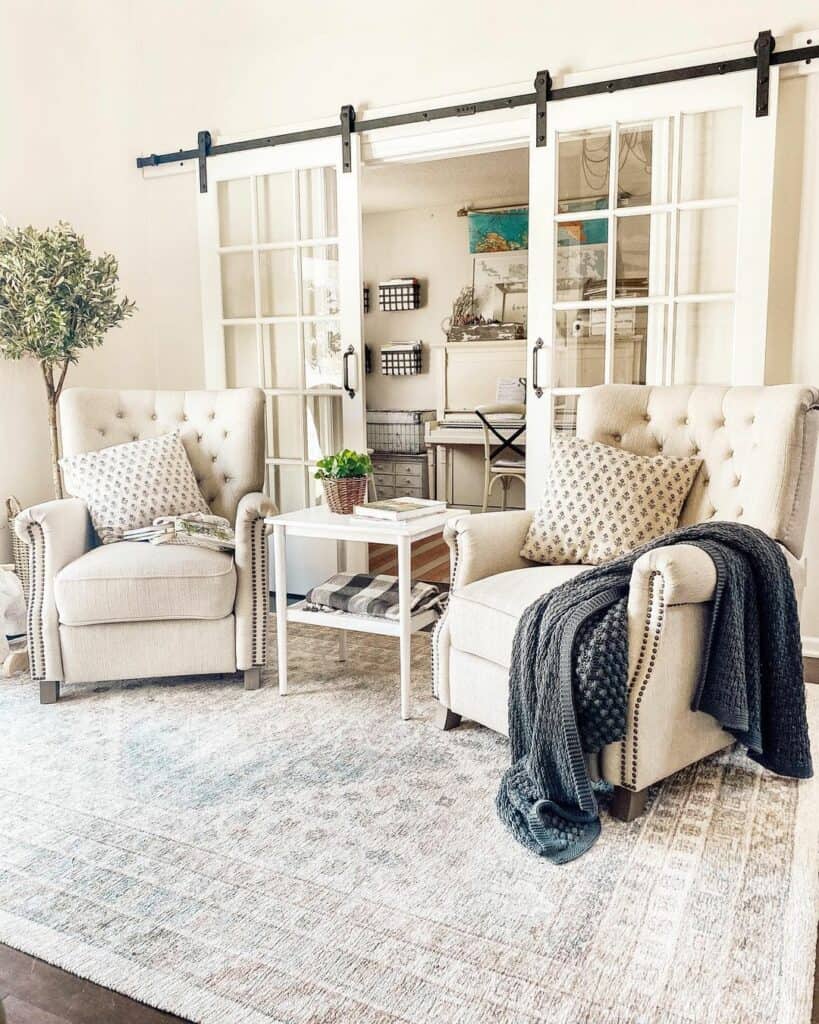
(399, 431)
(402, 359)
(360, 594)
(397, 509)
(462, 310)
(19, 551)
(399, 294)
(500, 287)
(487, 332)
(344, 476)
(56, 299)
(499, 230)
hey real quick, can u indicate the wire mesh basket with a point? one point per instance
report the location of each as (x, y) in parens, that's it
(395, 297)
(399, 432)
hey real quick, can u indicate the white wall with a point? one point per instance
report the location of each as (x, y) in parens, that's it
(85, 85)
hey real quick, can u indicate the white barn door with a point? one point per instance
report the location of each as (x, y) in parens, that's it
(649, 245)
(280, 261)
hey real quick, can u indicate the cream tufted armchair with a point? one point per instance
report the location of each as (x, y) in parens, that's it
(135, 611)
(757, 445)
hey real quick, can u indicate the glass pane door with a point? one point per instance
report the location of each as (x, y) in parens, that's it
(278, 251)
(281, 282)
(638, 205)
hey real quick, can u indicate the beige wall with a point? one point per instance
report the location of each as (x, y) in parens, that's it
(87, 84)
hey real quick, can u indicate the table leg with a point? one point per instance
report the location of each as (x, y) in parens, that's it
(280, 555)
(432, 470)
(450, 476)
(404, 580)
(341, 561)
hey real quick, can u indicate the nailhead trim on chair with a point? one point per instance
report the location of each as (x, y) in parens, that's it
(36, 643)
(442, 618)
(656, 632)
(258, 577)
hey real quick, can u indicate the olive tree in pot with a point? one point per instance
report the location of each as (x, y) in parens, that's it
(56, 299)
(344, 476)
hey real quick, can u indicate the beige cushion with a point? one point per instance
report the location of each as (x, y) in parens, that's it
(129, 485)
(601, 502)
(482, 616)
(132, 582)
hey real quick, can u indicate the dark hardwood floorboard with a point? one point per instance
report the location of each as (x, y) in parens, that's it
(34, 992)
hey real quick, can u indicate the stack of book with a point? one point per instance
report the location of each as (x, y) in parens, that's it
(397, 509)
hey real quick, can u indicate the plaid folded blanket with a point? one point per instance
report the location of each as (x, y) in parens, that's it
(370, 595)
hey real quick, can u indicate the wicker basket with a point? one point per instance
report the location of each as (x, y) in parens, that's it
(19, 550)
(343, 494)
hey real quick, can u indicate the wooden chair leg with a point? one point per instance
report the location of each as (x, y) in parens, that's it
(253, 678)
(49, 691)
(447, 719)
(626, 804)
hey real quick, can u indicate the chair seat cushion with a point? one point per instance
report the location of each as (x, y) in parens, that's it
(135, 582)
(483, 615)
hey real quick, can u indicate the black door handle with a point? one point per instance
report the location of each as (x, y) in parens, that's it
(538, 390)
(345, 374)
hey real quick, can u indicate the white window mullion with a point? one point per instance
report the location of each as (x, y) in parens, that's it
(667, 368)
(614, 169)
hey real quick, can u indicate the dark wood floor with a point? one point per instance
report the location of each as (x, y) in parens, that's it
(34, 992)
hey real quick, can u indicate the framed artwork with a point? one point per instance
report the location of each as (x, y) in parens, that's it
(499, 230)
(500, 286)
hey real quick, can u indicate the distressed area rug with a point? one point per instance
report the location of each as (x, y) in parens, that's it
(241, 857)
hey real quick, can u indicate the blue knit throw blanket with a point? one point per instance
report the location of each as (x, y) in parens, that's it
(568, 681)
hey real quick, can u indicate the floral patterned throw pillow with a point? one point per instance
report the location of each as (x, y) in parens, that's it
(601, 502)
(130, 485)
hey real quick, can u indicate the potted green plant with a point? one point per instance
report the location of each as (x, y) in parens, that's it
(56, 299)
(344, 476)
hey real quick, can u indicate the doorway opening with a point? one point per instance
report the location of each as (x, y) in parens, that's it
(445, 268)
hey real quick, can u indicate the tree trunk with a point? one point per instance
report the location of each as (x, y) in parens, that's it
(53, 394)
(55, 446)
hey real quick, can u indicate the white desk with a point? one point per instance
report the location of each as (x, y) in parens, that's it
(439, 438)
(320, 522)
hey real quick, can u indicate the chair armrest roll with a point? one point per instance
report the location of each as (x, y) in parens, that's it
(252, 579)
(688, 574)
(484, 545)
(57, 533)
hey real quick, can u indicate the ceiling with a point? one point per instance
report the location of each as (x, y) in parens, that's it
(478, 179)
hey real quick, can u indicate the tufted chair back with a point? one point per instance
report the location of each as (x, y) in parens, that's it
(757, 445)
(223, 432)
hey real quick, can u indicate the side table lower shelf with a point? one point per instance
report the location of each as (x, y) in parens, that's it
(357, 623)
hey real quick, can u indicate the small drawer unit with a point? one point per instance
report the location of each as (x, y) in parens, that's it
(397, 476)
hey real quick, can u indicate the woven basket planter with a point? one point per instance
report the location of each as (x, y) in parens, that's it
(18, 548)
(343, 494)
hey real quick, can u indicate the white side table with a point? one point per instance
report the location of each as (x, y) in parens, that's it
(321, 523)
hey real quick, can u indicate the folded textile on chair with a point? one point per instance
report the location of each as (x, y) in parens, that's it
(195, 529)
(370, 595)
(568, 681)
